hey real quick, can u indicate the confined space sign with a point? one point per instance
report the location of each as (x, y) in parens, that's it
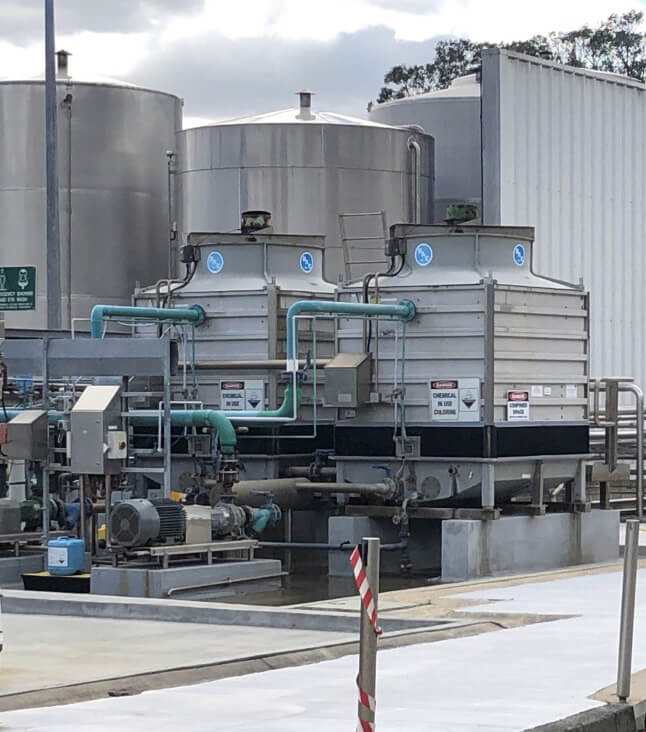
(454, 400)
(517, 406)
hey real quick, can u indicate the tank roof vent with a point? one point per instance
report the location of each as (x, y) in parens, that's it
(305, 105)
(62, 64)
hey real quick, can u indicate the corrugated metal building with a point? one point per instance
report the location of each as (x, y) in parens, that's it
(563, 150)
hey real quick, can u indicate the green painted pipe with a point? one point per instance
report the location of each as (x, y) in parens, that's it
(178, 418)
(196, 418)
(404, 311)
(192, 314)
(284, 412)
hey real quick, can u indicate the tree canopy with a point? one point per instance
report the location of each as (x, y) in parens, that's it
(617, 45)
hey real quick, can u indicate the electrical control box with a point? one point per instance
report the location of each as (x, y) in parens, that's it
(98, 443)
(347, 380)
(26, 437)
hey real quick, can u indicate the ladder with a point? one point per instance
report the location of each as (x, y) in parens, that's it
(352, 243)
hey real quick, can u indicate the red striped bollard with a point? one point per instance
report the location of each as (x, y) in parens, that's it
(365, 566)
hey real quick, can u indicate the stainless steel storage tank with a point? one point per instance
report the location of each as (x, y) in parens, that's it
(113, 139)
(306, 168)
(452, 117)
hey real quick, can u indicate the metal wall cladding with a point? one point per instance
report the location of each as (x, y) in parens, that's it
(452, 117)
(564, 151)
(480, 314)
(119, 201)
(246, 297)
(306, 174)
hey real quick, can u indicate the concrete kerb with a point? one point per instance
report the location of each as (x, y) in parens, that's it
(609, 718)
(39, 603)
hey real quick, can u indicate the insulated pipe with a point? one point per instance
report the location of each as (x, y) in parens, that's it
(192, 314)
(404, 311)
(385, 490)
(414, 145)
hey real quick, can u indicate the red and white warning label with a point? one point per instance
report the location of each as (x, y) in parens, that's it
(517, 406)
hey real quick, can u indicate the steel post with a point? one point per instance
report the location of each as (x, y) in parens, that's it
(626, 627)
(639, 456)
(368, 637)
(51, 159)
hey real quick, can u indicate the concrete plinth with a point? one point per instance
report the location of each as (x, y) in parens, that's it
(424, 544)
(153, 582)
(472, 549)
(11, 568)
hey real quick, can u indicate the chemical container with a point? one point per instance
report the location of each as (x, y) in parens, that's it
(65, 555)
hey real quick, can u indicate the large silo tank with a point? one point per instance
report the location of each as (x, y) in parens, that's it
(306, 168)
(452, 117)
(117, 165)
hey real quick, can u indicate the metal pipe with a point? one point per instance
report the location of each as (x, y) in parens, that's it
(282, 490)
(344, 546)
(414, 145)
(82, 518)
(271, 364)
(404, 311)
(192, 314)
(51, 160)
(385, 490)
(193, 418)
(639, 404)
(627, 622)
(367, 679)
(304, 471)
(68, 243)
(108, 511)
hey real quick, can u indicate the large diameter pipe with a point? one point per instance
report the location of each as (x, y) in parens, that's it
(283, 491)
(627, 622)
(193, 314)
(210, 418)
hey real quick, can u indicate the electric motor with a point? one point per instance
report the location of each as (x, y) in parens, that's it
(140, 522)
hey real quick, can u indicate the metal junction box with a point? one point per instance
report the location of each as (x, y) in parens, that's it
(95, 414)
(27, 436)
(347, 380)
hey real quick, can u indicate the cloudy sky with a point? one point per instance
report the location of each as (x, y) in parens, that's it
(229, 58)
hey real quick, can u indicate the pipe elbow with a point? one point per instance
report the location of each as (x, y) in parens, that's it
(411, 310)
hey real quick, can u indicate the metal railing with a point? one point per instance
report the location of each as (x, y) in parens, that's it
(617, 437)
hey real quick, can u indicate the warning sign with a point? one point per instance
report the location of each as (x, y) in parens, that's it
(517, 406)
(455, 400)
(242, 395)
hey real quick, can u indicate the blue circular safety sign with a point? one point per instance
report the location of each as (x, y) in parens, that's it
(307, 262)
(215, 262)
(519, 255)
(423, 254)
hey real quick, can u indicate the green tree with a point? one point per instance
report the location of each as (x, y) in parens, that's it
(616, 45)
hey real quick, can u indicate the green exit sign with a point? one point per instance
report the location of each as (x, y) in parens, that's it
(17, 288)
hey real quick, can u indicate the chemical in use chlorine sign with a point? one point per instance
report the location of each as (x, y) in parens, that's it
(242, 395)
(17, 288)
(455, 400)
(517, 406)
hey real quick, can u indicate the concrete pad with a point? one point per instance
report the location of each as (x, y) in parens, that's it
(511, 544)
(43, 651)
(12, 568)
(509, 680)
